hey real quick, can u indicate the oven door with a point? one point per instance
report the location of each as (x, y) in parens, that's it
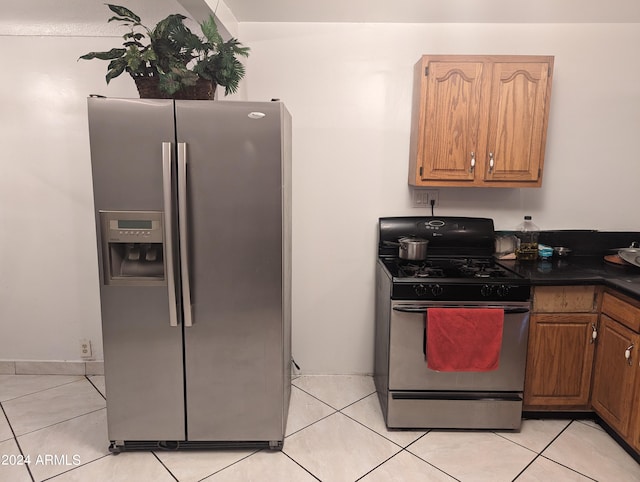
(407, 360)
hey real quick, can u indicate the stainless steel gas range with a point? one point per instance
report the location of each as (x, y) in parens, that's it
(458, 277)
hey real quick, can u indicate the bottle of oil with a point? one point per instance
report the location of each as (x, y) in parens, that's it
(527, 233)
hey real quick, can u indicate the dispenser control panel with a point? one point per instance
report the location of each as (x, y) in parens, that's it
(135, 227)
(132, 248)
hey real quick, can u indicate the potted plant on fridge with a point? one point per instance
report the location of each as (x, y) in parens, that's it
(170, 61)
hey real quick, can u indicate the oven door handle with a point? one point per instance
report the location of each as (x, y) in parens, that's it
(423, 309)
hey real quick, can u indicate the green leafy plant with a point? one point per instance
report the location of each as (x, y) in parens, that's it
(173, 53)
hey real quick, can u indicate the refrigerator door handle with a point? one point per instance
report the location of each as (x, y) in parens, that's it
(183, 230)
(168, 232)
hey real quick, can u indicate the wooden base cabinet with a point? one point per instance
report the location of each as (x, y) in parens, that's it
(616, 366)
(584, 354)
(561, 348)
(479, 120)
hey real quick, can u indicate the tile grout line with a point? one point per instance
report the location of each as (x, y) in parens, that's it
(413, 455)
(300, 465)
(528, 448)
(165, 467)
(320, 419)
(15, 439)
(378, 433)
(94, 386)
(335, 410)
(426, 461)
(61, 421)
(402, 449)
(312, 423)
(539, 454)
(75, 468)
(374, 431)
(230, 465)
(340, 410)
(379, 465)
(49, 426)
(312, 395)
(566, 467)
(359, 400)
(45, 389)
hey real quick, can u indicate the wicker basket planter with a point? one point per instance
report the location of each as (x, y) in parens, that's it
(148, 88)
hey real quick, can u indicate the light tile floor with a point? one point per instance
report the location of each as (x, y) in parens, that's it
(335, 432)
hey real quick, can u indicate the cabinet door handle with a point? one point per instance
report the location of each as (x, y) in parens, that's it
(594, 333)
(491, 162)
(627, 354)
(473, 161)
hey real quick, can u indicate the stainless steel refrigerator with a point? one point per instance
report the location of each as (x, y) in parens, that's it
(193, 219)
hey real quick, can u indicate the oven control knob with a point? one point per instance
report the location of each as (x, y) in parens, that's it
(436, 290)
(503, 290)
(486, 290)
(420, 290)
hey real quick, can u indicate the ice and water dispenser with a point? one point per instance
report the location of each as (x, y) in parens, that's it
(132, 247)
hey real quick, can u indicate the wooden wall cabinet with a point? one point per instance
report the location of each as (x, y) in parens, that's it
(561, 348)
(480, 121)
(616, 367)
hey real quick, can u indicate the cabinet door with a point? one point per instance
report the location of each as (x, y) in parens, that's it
(451, 110)
(615, 375)
(479, 120)
(559, 361)
(517, 121)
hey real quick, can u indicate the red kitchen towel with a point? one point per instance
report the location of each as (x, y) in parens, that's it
(464, 339)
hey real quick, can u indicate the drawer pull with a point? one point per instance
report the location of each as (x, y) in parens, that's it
(594, 333)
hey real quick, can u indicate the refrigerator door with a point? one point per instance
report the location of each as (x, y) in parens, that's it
(235, 380)
(142, 351)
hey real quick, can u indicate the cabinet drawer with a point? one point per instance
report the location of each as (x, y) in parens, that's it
(564, 299)
(621, 311)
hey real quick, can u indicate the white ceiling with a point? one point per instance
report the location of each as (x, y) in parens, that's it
(88, 17)
(436, 11)
(76, 17)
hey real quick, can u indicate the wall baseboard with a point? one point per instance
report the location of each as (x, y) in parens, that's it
(51, 367)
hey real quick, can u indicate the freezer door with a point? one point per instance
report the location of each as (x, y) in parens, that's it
(142, 352)
(235, 382)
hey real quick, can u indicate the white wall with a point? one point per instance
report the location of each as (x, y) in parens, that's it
(49, 286)
(348, 88)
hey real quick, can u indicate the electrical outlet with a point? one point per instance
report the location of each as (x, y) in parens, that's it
(85, 348)
(433, 196)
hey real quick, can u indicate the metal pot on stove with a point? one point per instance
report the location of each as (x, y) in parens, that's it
(414, 249)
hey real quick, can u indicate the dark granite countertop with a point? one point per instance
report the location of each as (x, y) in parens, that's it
(579, 270)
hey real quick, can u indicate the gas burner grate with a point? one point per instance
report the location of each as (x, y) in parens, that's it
(421, 270)
(478, 268)
(462, 268)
